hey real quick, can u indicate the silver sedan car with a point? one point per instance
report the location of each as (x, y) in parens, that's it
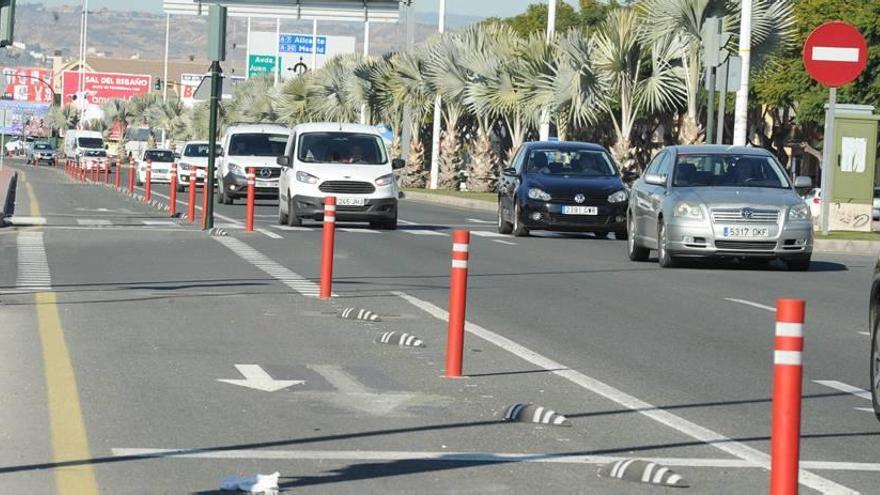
(708, 201)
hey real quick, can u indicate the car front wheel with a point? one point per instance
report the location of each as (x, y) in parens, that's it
(292, 219)
(282, 217)
(519, 230)
(665, 259)
(504, 227)
(636, 252)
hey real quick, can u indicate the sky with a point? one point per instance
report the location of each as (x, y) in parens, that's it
(479, 8)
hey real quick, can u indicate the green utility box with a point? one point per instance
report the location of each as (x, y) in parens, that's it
(854, 155)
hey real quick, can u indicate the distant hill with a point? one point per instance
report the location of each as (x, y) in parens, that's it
(116, 33)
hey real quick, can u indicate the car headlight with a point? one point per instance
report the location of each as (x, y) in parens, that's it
(688, 210)
(236, 170)
(385, 180)
(618, 197)
(536, 193)
(183, 166)
(307, 178)
(799, 212)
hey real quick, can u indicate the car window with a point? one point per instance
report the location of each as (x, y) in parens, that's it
(728, 170)
(159, 155)
(570, 163)
(42, 146)
(654, 164)
(518, 160)
(341, 147)
(200, 150)
(90, 142)
(257, 144)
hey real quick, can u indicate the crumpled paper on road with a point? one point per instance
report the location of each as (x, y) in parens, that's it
(259, 483)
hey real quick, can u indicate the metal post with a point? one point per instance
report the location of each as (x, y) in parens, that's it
(710, 112)
(827, 161)
(740, 121)
(277, 49)
(366, 54)
(438, 106)
(314, 44)
(216, 84)
(408, 43)
(247, 50)
(544, 131)
(722, 102)
(165, 80)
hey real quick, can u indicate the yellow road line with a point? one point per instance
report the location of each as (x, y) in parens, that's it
(69, 439)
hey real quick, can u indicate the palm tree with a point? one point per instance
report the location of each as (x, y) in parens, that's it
(63, 117)
(253, 101)
(293, 100)
(407, 83)
(117, 111)
(621, 50)
(448, 78)
(168, 116)
(331, 89)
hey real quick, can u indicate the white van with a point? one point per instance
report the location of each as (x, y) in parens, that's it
(245, 146)
(348, 161)
(83, 143)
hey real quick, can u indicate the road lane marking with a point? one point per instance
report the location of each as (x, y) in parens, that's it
(281, 273)
(423, 232)
(843, 387)
(506, 243)
(750, 303)
(356, 230)
(477, 220)
(93, 222)
(269, 234)
(661, 416)
(255, 377)
(69, 438)
(452, 456)
(198, 207)
(33, 268)
(26, 221)
(487, 233)
(288, 228)
(158, 223)
(866, 334)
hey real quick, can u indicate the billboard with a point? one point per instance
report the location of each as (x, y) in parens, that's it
(27, 84)
(101, 87)
(24, 117)
(295, 52)
(188, 85)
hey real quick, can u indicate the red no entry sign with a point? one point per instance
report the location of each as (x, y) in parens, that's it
(835, 54)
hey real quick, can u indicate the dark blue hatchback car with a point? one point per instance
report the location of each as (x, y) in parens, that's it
(562, 186)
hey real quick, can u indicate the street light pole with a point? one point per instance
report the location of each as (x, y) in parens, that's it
(165, 72)
(740, 122)
(544, 132)
(438, 106)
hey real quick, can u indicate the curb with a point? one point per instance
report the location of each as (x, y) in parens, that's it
(440, 199)
(7, 194)
(861, 248)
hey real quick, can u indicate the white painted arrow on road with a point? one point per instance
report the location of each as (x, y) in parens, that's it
(256, 377)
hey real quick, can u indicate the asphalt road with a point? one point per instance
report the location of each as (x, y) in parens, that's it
(647, 363)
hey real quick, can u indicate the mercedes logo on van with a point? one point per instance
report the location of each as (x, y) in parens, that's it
(265, 172)
(747, 213)
(579, 198)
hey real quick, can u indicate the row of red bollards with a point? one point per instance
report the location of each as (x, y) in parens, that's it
(788, 351)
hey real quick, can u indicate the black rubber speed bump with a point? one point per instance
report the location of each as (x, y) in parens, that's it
(643, 472)
(398, 339)
(358, 314)
(530, 413)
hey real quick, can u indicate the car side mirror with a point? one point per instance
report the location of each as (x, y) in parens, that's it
(803, 182)
(509, 172)
(629, 176)
(284, 161)
(397, 164)
(177, 156)
(655, 180)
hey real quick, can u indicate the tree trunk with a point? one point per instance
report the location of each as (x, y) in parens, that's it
(415, 167)
(483, 174)
(449, 160)
(689, 131)
(623, 153)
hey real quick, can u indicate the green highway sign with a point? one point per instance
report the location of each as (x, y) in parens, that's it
(261, 64)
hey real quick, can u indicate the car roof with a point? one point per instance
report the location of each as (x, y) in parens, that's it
(564, 145)
(260, 128)
(335, 127)
(717, 149)
(159, 149)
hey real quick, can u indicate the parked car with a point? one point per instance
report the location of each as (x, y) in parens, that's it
(562, 186)
(348, 161)
(874, 327)
(194, 156)
(160, 166)
(719, 201)
(41, 152)
(250, 145)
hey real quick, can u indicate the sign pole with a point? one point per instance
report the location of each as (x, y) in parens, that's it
(827, 160)
(722, 102)
(216, 52)
(710, 112)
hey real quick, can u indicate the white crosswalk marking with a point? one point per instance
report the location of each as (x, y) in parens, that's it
(281, 273)
(33, 267)
(93, 222)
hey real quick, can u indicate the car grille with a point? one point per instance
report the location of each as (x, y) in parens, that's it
(746, 245)
(736, 215)
(273, 172)
(346, 187)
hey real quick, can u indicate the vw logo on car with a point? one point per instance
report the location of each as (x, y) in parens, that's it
(579, 198)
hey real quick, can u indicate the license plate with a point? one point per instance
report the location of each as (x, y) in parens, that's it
(349, 201)
(745, 232)
(267, 183)
(580, 210)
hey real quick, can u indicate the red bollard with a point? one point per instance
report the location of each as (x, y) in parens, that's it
(148, 182)
(327, 243)
(457, 302)
(787, 374)
(106, 170)
(131, 177)
(173, 192)
(191, 207)
(117, 175)
(249, 210)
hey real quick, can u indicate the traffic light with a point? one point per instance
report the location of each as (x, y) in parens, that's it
(7, 21)
(158, 84)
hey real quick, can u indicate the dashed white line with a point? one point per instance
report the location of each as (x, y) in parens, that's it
(279, 272)
(661, 416)
(94, 222)
(843, 387)
(33, 267)
(356, 230)
(477, 220)
(25, 221)
(269, 234)
(486, 233)
(423, 232)
(506, 243)
(750, 303)
(158, 223)
(292, 229)
(866, 334)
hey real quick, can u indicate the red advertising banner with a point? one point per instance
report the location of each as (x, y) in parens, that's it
(101, 87)
(27, 84)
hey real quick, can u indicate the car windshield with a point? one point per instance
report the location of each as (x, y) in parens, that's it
(342, 147)
(200, 150)
(159, 155)
(257, 144)
(43, 146)
(570, 163)
(90, 142)
(728, 170)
